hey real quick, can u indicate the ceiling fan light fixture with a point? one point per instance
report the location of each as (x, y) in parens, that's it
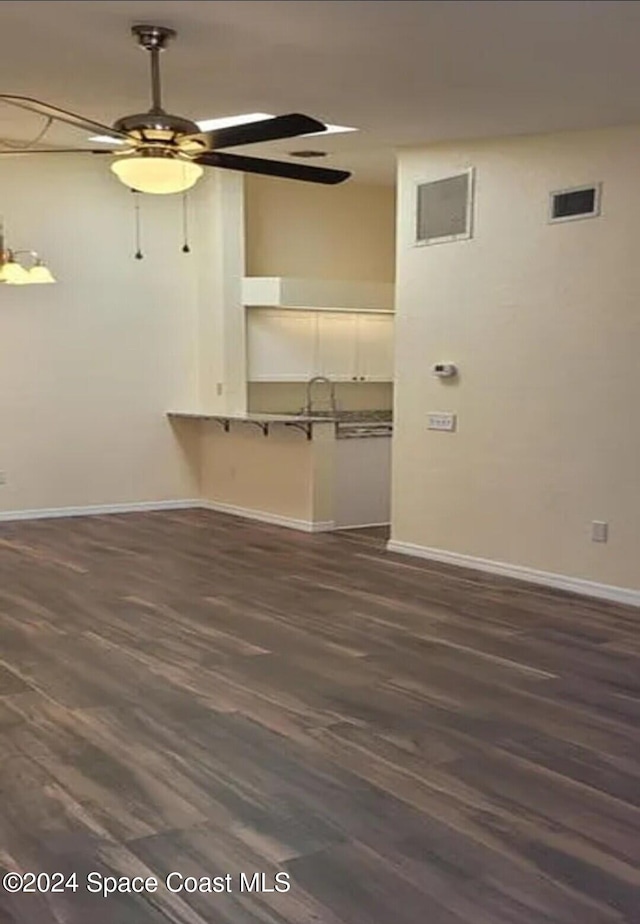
(157, 173)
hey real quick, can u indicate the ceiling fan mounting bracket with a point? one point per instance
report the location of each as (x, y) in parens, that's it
(153, 38)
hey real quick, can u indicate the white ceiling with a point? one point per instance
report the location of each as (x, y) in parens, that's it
(402, 72)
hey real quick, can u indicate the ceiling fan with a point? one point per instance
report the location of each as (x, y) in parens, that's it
(156, 152)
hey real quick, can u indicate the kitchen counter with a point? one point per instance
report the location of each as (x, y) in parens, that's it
(252, 418)
(348, 424)
(258, 465)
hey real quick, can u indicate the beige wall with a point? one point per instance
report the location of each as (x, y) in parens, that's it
(544, 322)
(283, 474)
(319, 232)
(89, 366)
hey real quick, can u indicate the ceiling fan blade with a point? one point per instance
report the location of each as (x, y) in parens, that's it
(273, 168)
(285, 126)
(62, 115)
(57, 151)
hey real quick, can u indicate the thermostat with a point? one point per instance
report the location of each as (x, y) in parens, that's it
(445, 370)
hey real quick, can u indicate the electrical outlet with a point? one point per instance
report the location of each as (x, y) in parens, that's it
(3, 478)
(441, 420)
(599, 531)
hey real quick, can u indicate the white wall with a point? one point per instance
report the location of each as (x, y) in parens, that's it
(89, 366)
(222, 374)
(544, 322)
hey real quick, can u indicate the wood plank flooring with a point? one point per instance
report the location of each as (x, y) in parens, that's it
(412, 744)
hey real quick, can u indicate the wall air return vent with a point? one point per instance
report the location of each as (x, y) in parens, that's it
(444, 209)
(571, 204)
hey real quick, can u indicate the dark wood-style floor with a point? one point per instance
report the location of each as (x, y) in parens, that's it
(412, 744)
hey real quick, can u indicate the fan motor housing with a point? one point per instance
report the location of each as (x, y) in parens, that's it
(156, 122)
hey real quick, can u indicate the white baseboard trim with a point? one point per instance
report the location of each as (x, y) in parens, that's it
(338, 529)
(305, 526)
(575, 585)
(45, 513)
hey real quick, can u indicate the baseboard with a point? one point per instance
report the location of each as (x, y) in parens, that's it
(45, 513)
(610, 592)
(306, 526)
(343, 529)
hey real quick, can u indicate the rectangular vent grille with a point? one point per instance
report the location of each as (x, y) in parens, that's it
(443, 209)
(570, 204)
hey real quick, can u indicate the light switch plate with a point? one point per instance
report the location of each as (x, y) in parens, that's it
(441, 420)
(599, 531)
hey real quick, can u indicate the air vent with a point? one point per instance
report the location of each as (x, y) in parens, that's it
(444, 209)
(571, 204)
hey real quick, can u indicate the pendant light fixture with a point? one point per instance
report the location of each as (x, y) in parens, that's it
(14, 273)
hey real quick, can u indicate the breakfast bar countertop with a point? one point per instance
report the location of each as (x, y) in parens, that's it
(369, 416)
(346, 424)
(253, 417)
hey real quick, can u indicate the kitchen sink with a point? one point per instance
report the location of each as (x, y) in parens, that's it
(354, 416)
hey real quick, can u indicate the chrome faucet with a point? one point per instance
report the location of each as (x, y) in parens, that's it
(308, 409)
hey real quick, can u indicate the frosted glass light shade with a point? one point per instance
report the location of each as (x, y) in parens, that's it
(158, 175)
(40, 274)
(14, 273)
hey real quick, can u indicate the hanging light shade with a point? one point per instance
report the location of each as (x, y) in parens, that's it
(14, 273)
(40, 274)
(156, 172)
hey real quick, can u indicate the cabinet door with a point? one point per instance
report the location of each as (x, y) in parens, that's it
(281, 346)
(375, 348)
(337, 346)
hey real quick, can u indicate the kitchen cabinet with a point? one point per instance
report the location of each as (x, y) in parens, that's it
(374, 346)
(281, 346)
(337, 346)
(292, 346)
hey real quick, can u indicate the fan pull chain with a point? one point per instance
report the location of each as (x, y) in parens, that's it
(185, 224)
(138, 226)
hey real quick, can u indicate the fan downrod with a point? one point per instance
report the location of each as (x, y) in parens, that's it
(154, 39)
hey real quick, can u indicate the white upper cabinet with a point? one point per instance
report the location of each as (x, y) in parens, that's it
(298, 328)
(374, 347)
(281, 346)
(337, 352)
(291, 346)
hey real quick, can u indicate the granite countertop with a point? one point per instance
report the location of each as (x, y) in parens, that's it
(320, 417)
(253, 418)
